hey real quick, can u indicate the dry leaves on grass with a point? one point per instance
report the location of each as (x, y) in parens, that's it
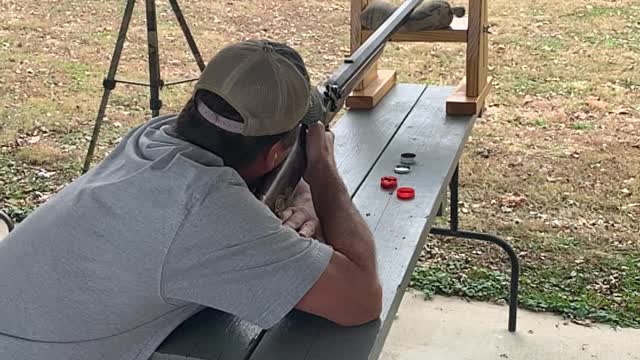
(514, 200)
(596, 104)
(581, 115)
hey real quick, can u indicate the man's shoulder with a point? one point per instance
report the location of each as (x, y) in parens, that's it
(153, 150)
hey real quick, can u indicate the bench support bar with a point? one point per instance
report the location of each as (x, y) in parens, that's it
(513, 257)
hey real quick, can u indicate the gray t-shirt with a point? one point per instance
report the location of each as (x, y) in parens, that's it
(109, 266)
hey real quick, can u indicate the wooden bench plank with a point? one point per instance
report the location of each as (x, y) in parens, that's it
(404, 226)
(400, 229)
(361, 136)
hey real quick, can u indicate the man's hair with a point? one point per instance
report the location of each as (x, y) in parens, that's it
(235, 150)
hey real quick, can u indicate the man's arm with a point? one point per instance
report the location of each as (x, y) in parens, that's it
(349, 291)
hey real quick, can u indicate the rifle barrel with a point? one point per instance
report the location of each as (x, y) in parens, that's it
(281, 182)
(350, 73)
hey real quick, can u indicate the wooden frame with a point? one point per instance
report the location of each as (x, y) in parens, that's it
(470, 95)
(376, 83)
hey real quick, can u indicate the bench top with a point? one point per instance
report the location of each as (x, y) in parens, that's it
(411, 118)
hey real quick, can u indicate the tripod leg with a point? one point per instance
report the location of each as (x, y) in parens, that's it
(154, 58)
(187, 33)
(109, 82)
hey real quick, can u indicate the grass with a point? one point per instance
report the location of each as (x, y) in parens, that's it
(600, 11)
(561, 127)
(550, 44)
(607, 291)
(79, 74)
(40, 155)
(541, 123)
(579, 125)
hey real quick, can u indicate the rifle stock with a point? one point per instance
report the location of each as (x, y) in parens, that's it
(278, 185)
(327, 101)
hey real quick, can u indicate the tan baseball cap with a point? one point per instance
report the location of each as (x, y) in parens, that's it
(261, 84)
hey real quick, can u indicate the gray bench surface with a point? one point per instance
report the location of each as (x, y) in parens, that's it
(411, 118)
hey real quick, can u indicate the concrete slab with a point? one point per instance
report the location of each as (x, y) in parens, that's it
(452, 328)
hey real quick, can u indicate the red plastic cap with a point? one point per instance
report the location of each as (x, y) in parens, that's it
(406, 193)
(388, 182)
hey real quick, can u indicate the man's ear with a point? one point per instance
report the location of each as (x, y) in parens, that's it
(275, 155)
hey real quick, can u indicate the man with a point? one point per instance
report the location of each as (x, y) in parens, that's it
(167, 225)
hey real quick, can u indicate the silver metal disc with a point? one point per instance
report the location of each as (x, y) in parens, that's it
(402, 169)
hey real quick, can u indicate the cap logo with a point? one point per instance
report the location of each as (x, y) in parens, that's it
(219, 120)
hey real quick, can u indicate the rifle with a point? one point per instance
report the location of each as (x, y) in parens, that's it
(327, 101)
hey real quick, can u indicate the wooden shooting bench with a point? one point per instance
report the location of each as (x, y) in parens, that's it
(410, 118)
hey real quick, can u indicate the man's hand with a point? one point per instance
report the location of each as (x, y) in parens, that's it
(300, 214)
(301, 219)
(320, 157)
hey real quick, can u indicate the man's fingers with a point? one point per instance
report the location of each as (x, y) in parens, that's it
(317, 128)
(330, 136)
(308, 229)
(315, 135)
(296, 220)
(285, 214)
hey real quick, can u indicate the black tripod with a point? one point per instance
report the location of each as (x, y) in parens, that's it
(155, 81)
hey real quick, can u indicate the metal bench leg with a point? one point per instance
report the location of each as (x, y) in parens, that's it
(513, 257)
